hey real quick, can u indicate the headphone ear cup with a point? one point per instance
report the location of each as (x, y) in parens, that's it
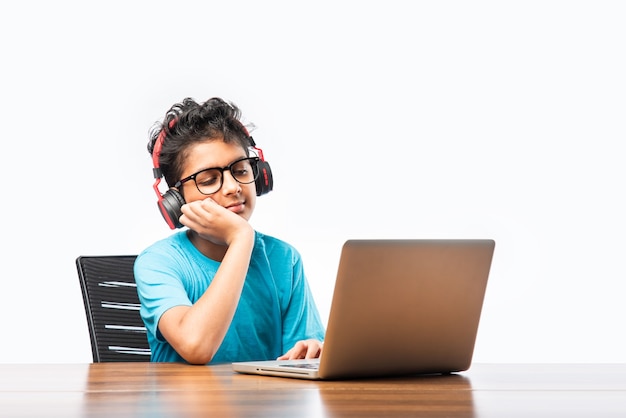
(170, 206)
(265, 180)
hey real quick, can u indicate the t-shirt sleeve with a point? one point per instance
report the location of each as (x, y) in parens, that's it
(159, 288)
(301, 320)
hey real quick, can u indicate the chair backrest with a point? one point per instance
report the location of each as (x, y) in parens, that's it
(116, 329)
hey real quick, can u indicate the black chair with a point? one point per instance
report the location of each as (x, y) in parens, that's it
(116, 329)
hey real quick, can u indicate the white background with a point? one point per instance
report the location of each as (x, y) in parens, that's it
(386, 119)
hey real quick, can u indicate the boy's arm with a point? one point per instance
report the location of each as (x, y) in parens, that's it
(197, 331)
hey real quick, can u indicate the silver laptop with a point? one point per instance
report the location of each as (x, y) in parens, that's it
(399, 307)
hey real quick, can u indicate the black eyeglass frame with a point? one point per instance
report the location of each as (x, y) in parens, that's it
(253, 163)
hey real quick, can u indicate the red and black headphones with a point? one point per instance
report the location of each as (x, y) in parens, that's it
(171, 202)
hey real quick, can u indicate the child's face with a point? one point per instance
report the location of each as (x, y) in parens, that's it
(236, 197)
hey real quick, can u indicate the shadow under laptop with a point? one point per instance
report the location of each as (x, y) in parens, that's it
(415, 396)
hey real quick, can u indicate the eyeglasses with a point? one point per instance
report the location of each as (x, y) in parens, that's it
(210, 180)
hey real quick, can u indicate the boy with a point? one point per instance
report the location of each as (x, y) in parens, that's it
(219, 291)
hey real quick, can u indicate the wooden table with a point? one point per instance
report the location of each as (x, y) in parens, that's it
(168, 390)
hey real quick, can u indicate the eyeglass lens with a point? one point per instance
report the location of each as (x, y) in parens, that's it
(210, 181)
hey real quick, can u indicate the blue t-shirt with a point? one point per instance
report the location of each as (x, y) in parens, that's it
(276, 308)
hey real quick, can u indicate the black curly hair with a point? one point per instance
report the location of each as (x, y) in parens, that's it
(190, 122)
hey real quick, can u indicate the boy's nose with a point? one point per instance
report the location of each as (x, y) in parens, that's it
(230, 184)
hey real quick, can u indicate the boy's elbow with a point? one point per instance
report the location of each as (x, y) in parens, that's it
(196, 353)
(198, 360)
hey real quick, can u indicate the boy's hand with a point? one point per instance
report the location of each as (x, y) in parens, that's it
(304, 349)
(213, 222)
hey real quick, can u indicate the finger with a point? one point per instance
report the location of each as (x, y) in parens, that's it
(286, 356)
(293, 353)
(207, 202)
(199, 213)
(313, 350)
(191, 210)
